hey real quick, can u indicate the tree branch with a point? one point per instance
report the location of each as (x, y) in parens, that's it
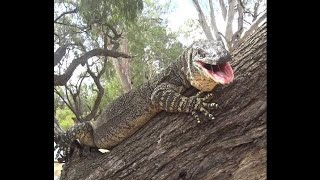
(213, 22)
(255, 10)
(241, 4)
(223, 9)
(246, 22)
(67, 103)
(229, 32)
(248, 12)
(114, 31)
(81, 80)
(202, 20)
(65, 13)
(236, 36)
(100, 91)
(60, 80)
(76, 101)
(253, 27)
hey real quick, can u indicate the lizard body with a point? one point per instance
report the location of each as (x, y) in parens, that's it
(203, 65)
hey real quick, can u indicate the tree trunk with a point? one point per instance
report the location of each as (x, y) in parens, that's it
(121, 66)
(233, 146)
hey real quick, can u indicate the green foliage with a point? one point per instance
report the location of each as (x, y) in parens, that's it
(112, 90)
(85, 26)
(65, 117)
(152, 44)
(113, 11)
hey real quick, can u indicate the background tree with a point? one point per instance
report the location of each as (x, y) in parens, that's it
(245, 15)
(233, 146)
(101, 41)
(85, 34)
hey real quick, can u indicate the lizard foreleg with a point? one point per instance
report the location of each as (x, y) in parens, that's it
(168, 98)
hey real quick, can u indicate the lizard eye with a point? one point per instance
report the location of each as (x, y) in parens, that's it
(201, 54)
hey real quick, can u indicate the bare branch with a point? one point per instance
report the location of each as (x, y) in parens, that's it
(89, 107)
(236, 36)
(229, 32)
(253, 27)
(77, 95)
(240, 19)
(255, 10)
(114, 31)
(222, 36)
(60, 80)
(100, 91)
(202, 20)
(67, 103)
(223, 9)
(213, 22)
(67, 96)
(248, 12)
(76, 109)
(261, 12)
(246, 22)
(81, 80)
(241, 4)
(65, 13)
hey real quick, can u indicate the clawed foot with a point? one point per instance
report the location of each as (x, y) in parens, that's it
(66, 150)
(202, 107)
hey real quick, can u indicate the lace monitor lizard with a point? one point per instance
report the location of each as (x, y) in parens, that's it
(202, 65)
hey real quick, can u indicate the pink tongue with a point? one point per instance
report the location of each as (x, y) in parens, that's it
(221, 74)
(224, 75)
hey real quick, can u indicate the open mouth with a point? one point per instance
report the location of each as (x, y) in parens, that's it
(220, 73)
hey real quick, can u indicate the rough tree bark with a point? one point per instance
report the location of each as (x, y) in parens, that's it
(233, 146)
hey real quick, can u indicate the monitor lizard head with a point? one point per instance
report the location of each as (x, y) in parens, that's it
(208, 65)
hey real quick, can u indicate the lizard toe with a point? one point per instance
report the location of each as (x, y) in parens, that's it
(196, 116)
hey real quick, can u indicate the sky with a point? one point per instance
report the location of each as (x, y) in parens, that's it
(184, 10)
